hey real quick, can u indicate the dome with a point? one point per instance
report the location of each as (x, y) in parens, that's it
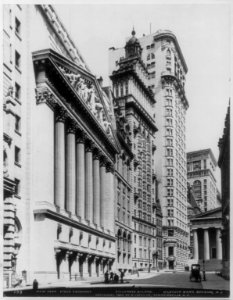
(133, 39)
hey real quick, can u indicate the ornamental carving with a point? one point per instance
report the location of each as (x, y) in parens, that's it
(72, 127)
(44, 95)
(89, 94)
(61, 115)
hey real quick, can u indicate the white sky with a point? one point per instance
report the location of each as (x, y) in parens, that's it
(203, 32)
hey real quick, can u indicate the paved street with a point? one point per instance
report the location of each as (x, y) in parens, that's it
(181, 280)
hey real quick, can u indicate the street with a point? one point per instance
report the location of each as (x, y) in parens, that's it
(178, 280)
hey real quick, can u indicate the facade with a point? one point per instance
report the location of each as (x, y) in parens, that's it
(224, 164)
(207, 243)
(59, 154)
(201, 166)
(163, 56)
(135, 101)
(123, 194)
(166, 69)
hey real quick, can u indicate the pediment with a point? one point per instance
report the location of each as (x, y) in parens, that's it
(214, 213)
(89, 92)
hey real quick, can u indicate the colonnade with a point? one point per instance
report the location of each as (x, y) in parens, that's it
(84, 180)
(206, 244)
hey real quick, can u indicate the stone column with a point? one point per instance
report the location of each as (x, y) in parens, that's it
(60, 159)
(80, 179)
(70, 168)
(218, 243)
(89, 183)
(206, 245)
(96, 188)
(102, 190)
(109, 198)
(195, 245)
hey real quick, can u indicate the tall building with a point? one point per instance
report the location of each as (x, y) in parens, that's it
(135, 102)
(59, 154)
(224, 165)
(166, 67)
(201, 166)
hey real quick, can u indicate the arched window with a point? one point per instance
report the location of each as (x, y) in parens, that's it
(168, 53)
(197, 188)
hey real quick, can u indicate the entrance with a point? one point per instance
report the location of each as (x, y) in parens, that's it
(214, 254)
(171, 265)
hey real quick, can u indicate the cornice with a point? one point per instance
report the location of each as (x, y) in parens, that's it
(47, 213)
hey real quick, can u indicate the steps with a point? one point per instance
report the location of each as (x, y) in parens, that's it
(211, 265)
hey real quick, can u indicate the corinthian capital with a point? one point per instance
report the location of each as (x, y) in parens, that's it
(72, 127)
(61, 115)
(44, 95)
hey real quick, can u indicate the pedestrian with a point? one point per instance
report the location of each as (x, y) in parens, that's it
(122, 276)
(106, 277)
(116, 278)
(111, 275)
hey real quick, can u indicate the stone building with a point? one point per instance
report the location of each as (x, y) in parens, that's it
(206, 229)
(224, 165)
(123, 193)
(166, 70)
(134, 101)
(167, 67)
(201, 166)
(59, 154)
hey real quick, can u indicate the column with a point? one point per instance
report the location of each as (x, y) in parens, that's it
(80, 179)
(102, 190)
(89, 183)
(206, 245)
(60, 159)
(70, 169)
(96, 189)
(109, 198)
(218, 243)
(195, 245)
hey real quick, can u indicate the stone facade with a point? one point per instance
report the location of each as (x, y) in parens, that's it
(59, 154)
(224, 164)
(134, 101)
(201, 166)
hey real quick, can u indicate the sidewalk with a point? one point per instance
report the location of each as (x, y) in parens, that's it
(215, 282)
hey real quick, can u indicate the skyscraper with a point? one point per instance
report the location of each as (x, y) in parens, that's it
(166, 67)
(135, 101)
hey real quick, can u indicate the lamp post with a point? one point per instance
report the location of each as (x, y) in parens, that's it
(204, 278)
(149, 259)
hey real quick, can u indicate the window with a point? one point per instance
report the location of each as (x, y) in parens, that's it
(17, 60)
(17, 155)
(148, 47)
(197, 188)
(17, 91)
(152, 55)
(196, 165)
(135, 252)
(17, 187)
(17, 27)
(17, 123)
(170, 251)
(170, 232)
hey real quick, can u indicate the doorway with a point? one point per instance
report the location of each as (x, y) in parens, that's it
(171, 265)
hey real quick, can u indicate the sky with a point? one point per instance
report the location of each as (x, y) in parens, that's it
(203, 33)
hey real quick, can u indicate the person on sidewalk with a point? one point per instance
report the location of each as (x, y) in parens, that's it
(111, 275)
(106, 277)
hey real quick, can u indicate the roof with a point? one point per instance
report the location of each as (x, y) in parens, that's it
(203, 151)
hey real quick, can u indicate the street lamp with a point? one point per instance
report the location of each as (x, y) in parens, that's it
(156, 258)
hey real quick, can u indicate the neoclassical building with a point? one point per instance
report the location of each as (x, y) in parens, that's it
(134, 101)
(206, 230)
(59, 154)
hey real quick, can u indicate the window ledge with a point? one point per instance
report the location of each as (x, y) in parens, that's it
(17, 196)
(18, 164)
(18, 69)
(18, 132)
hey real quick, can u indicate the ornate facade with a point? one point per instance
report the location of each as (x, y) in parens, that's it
(224, 164)
(201, 167)
(167, 70)
(64, 211)
(134, 101)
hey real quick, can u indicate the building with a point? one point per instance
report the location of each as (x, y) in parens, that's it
(135, 101)
(224, 165)
(206, 230)
(123, 193)
(59, 154)
(193, 210)
(166, 67)
(201, 166)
